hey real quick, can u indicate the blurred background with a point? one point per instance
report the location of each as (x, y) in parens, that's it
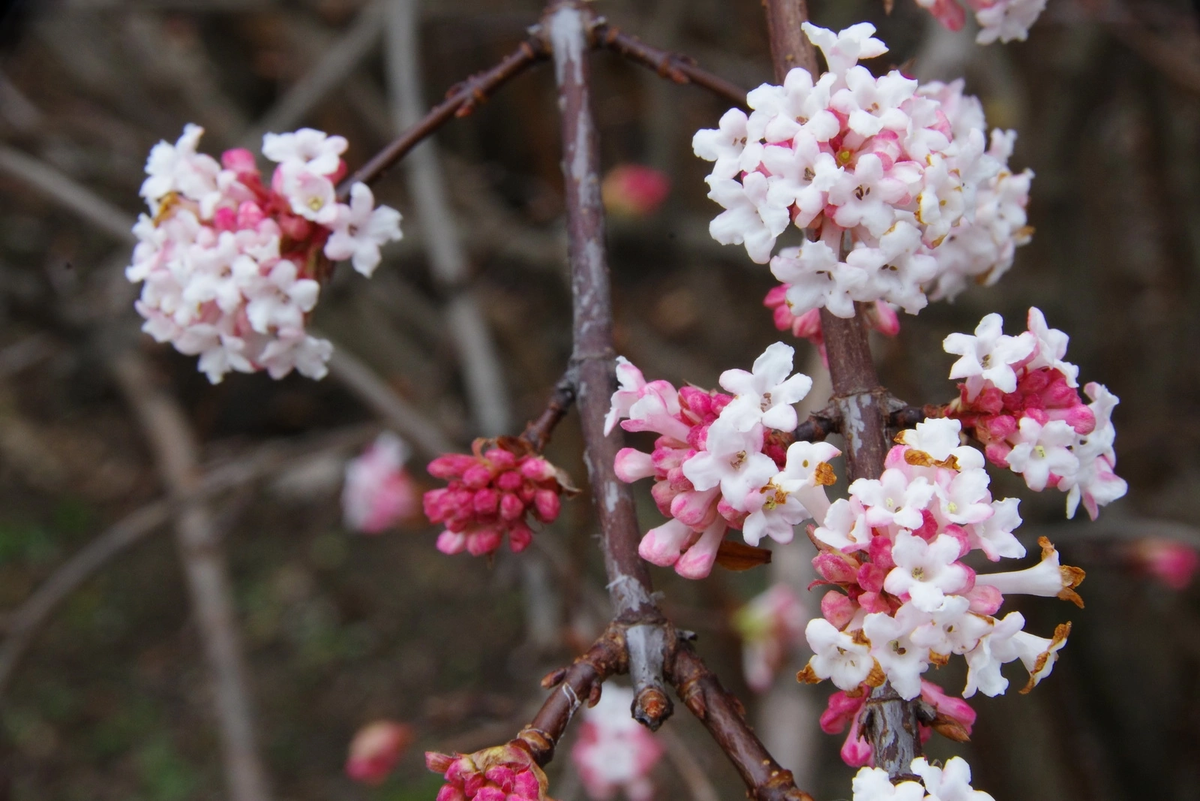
(103, 672)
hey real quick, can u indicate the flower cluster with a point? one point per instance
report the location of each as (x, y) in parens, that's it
(1005, 20)
(883, 174)
(614, 751)
(949, 783)
(492, 492)
(232, 267)
(769, 626)
(905, 599)
(379, 492)
(1020, 399)
(722, 461)
(503, 773)
(953, 718)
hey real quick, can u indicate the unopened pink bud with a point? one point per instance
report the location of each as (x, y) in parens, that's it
(450, 793)
(375, 751)
(834, 568)
(511, 507)
(510, 481)
(837, 608)
(519, 537)
(537, 469)
(501, 459)
(451, 465)
(250, 215)
(239, 160)
(632, 465)
(439, 763)
(985, 600)
(477, 477)
(1171, 562)
(882, 317)
(880, 551)
(451, 542)
(547, 505)
(483, 540)
(633, 190)
(490, 794)
(225, 219)
(486, 501)
(871, 576)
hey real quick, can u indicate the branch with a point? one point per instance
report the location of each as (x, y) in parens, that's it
(864, 405)
(23, 623)
(537, 433)
(460, 101)
(171, 438)
(672, 66)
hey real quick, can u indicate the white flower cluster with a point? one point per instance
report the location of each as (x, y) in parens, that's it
(906, 600)
(950, 783)
(891, 179)
(722, 461)
(232, 267)
(1020, 397)
(1006, 20)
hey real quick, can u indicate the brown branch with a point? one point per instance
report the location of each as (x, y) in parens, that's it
(819, 425)
(864, 405)
(537, 433)
(567, 26)
(672, 66)
(460, 101)
(210, 589)
(724, 717)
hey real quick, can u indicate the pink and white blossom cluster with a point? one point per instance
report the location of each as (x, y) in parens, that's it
(493, 492)
(905, 600)
(615, 752)
(949, 783)
(953, 718)
(1006, 20)
(503, 773)
(770, 625)
(378, 491)
(1021, 399)
(721, 460)
(880, 172)
(232, 267)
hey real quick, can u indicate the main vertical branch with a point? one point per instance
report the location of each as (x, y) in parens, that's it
(648, 639)
(891, 722)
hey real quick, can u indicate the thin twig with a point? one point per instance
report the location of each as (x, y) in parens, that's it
(480, 368)
(460, 101)
(672, 66)
(23, 623)
(211, 591)
(537, 433)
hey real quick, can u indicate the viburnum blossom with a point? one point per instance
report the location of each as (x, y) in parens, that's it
(615, 752)
(951, 782)
(634, 190)
(493, 492)
(769, 625)
(1021, 399)
(232, 267)
(378, 491)
(902, 197)
(904, 599)
(1006, 20)
(376, 749)
(722, 460)
(503, 773)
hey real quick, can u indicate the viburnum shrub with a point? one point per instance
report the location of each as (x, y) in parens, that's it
(894, 194)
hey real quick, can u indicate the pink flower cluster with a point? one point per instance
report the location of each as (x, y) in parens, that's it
(1005, 20)
(1020, 399)
(954, 718)
(493, 492)
(503, 773)
(722, 461)
(769, 625)
(232, 267)
(949, 783)
(614, 751)
(905, 600)
(379, 492)
(883, 173)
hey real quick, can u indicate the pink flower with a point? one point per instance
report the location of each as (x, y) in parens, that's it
(378, 492)
(613, 750)
(633, 190)
(492, 493)
(1171, 562)
(376, 749)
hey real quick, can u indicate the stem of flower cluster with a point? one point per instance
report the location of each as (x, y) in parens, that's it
(863, 404)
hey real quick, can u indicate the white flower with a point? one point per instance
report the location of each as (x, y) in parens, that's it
(817, 279)
(360, 228)
(1047, 579)
(926, 571)
(989, 355)
(750, 217)
(994, 536)
(874, 784)
(951, 783)
(733, 460)
(280, 299)
(845, 48)
(723, 145)
(1043, 450)
(836, 656)
(314, 151)
(310, 194)
(1051, 347)
(1007, 20)
(901, 660)
(893, 499)
(845, 526)
(766, 394)
(986, 658)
